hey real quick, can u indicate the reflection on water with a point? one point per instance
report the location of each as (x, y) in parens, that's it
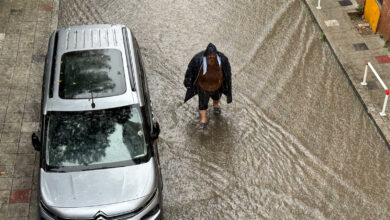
(295, 142)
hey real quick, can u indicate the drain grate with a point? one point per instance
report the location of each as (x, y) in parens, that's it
(345, 3)
(371, 85)
(16, 12)
(360, 46)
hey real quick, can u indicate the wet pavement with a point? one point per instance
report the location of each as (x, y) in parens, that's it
(354, 49)
(296, 143)
(25, 27)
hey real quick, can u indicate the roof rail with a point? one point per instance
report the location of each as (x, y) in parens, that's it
(129, 63)
(53, 66)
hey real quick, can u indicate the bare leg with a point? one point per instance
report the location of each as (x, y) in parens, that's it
(203, 118)
(216, 103)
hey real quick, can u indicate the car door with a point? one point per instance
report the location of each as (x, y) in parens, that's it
(148, 105)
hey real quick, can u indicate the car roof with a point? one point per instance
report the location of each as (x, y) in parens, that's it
(89, 37)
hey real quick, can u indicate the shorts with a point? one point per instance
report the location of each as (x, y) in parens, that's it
(204, 97)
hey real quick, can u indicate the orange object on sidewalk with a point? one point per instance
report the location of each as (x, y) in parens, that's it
(372, 13)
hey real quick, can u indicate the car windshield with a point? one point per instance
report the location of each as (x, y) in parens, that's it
(100, 137)
(91, 72)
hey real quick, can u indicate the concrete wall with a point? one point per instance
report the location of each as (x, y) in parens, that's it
(384, 20)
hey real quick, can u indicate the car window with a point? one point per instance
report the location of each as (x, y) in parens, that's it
(95, 137)
(97, 73)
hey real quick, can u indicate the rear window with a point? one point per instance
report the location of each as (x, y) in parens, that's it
(97, 73)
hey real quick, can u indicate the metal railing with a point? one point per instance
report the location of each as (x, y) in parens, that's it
(364, 83)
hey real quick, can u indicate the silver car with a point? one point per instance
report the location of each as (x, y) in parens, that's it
(99, 156)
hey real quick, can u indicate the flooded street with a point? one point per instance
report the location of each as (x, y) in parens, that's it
(296, 143)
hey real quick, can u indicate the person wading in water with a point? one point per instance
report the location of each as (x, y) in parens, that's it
(208, 75)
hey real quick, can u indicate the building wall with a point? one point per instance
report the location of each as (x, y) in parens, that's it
(384, 20)
(360, 1)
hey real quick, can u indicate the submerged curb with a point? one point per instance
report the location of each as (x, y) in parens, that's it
(338, 56)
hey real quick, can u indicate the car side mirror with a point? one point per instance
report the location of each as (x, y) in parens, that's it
(36, 142)
(156, 131)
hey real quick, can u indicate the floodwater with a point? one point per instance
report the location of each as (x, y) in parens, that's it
(296, 143)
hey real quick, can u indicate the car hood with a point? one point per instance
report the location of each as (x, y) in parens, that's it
(97, 187)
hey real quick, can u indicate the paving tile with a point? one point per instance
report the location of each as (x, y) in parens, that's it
(383, 59)
(10, 137)
(25, 137)
(27, 44)
(360, 46)
(2, 37)
(4, 196)
(345, 3)
(37, 69)
(5, 184)
(6, 171)
(4, 90)
(15, 117)
(22, 170)
(34, 95)
(20, 196)
(47, 7)
(34, 86)
(30, 15)
(21, 70)
(2, 117)
(30, 126)
(25, 159)
(24, 59)
(6, 77)
(17, 96)
(3, 210)
(33, 107)
(22, 183)
(31, 116)
(14, 26)
(36, 171)
(332, 23)
(9, 148)
(18, 210)
(39, 58)
(7, 159)
(33, 212)
(28, 28)
(12, 127)
(15, 106)
(26, 148)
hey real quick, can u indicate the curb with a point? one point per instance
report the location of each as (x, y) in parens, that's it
(348, 78)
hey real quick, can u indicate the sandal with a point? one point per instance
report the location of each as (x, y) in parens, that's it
(202, 125)
(217, 110)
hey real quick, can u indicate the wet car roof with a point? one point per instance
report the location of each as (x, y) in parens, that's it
(84, 38)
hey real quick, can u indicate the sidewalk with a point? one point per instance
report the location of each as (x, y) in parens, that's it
(25, 26)
(353, 50)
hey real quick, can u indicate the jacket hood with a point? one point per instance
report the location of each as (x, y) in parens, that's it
(210, 49)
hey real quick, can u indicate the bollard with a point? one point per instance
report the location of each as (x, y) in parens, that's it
(319, 5)
(364, 83)
(383, 113)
